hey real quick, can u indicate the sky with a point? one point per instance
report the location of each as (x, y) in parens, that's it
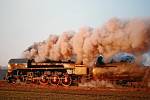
(23, 22)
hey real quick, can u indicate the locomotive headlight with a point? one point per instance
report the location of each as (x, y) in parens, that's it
(9, 68)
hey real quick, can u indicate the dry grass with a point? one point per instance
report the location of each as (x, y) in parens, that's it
(38, 92)
(21, 95)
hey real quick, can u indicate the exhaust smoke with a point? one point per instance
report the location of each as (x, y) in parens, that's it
(115, 36)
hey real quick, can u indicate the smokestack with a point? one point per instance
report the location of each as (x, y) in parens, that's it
(84, 46)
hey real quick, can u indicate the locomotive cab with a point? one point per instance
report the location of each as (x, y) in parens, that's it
(100, 61)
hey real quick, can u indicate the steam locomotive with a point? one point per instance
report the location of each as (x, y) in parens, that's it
(53, 72)
(68, 73)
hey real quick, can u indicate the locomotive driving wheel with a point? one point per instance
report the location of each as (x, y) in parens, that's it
(66, 80)
(43, 80)
(54, 80)
(29, 78)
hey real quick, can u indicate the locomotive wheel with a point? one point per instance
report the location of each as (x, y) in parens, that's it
(14, 81)
(54, 80)
(28, 80)
(43, 80)
(18, 80)
(66, 80)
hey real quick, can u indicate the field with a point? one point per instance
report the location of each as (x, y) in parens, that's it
(38, 92)
(2, 73)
